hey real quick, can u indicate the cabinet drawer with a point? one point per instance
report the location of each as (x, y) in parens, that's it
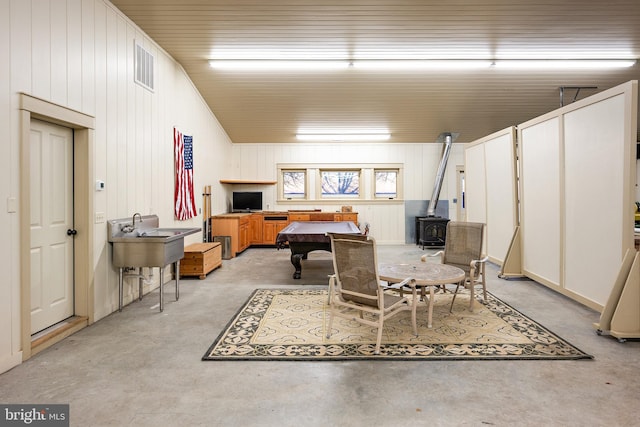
(299, 217)
(353, 217)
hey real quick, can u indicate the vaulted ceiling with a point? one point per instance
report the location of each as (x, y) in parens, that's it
(415, 105)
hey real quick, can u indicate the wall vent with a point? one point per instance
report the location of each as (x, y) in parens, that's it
(144, 67)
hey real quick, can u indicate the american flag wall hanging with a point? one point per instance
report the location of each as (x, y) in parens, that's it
(184, 199)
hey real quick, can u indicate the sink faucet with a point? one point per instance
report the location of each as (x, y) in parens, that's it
(128, 228)
(133, 220)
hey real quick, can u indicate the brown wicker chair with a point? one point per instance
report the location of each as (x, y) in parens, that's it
(463, 249)
(356, 287)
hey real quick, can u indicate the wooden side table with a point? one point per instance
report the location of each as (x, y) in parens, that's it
(200, 259)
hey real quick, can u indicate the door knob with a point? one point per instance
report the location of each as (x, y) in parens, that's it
(71, 232)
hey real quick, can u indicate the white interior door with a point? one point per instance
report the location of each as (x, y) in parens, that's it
(51, 148)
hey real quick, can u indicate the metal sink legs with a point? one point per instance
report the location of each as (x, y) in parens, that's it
(176, 269)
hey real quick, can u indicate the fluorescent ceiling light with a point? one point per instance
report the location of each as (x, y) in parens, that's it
(559, 64)
(421, 64)
(343, 136)
(416, 64)
(277, 64)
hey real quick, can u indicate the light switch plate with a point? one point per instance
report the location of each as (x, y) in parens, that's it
(99, 217)
(12, 205)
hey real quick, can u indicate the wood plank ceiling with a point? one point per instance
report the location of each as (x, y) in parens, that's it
(415, 105)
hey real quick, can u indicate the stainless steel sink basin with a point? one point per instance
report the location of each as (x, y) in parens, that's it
(141, 252)
(144, 244)
(148, 235)
(147, 245)
(167, 233)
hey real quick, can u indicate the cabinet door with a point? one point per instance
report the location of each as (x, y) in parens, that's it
(269, 232)
(255, 229)
(244, 237)
(280, 225)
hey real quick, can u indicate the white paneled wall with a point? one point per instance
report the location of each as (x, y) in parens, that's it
(387, 220)
(9, 289)
(79, 54)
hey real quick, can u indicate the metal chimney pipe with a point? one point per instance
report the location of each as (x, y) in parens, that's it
(433, 202)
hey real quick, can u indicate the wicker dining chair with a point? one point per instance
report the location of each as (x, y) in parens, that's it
(355, 290)
(463, 249)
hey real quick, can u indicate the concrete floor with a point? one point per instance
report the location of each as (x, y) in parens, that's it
(143, 368)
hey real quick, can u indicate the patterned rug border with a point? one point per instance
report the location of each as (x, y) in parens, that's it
(441, 352)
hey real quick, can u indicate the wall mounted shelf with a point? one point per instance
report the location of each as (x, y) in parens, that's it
(247, 181)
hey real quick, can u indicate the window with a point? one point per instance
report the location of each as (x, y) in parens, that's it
(386, 183)
(340, 183)
(294, 183)
(316, 184)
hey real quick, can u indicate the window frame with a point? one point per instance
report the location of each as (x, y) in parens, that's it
(282, 172)
(320, 181)
(375, 184)
(313, 182)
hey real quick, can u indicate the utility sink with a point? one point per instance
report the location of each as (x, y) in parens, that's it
(146, 245)
(143, 243)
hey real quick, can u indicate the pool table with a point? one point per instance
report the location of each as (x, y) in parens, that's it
(307, 236)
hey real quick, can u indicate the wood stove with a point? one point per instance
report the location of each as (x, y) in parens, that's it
(432, 231)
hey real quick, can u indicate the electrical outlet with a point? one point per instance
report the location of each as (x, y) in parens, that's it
(99, 217)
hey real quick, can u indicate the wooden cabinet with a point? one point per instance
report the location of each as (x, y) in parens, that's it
(271, 230)
(323, 216)
(200, 259)
(262, 228)
(255, 229)
(243, 243)
(235, 225)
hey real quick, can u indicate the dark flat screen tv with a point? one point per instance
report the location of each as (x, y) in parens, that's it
(247, 201)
